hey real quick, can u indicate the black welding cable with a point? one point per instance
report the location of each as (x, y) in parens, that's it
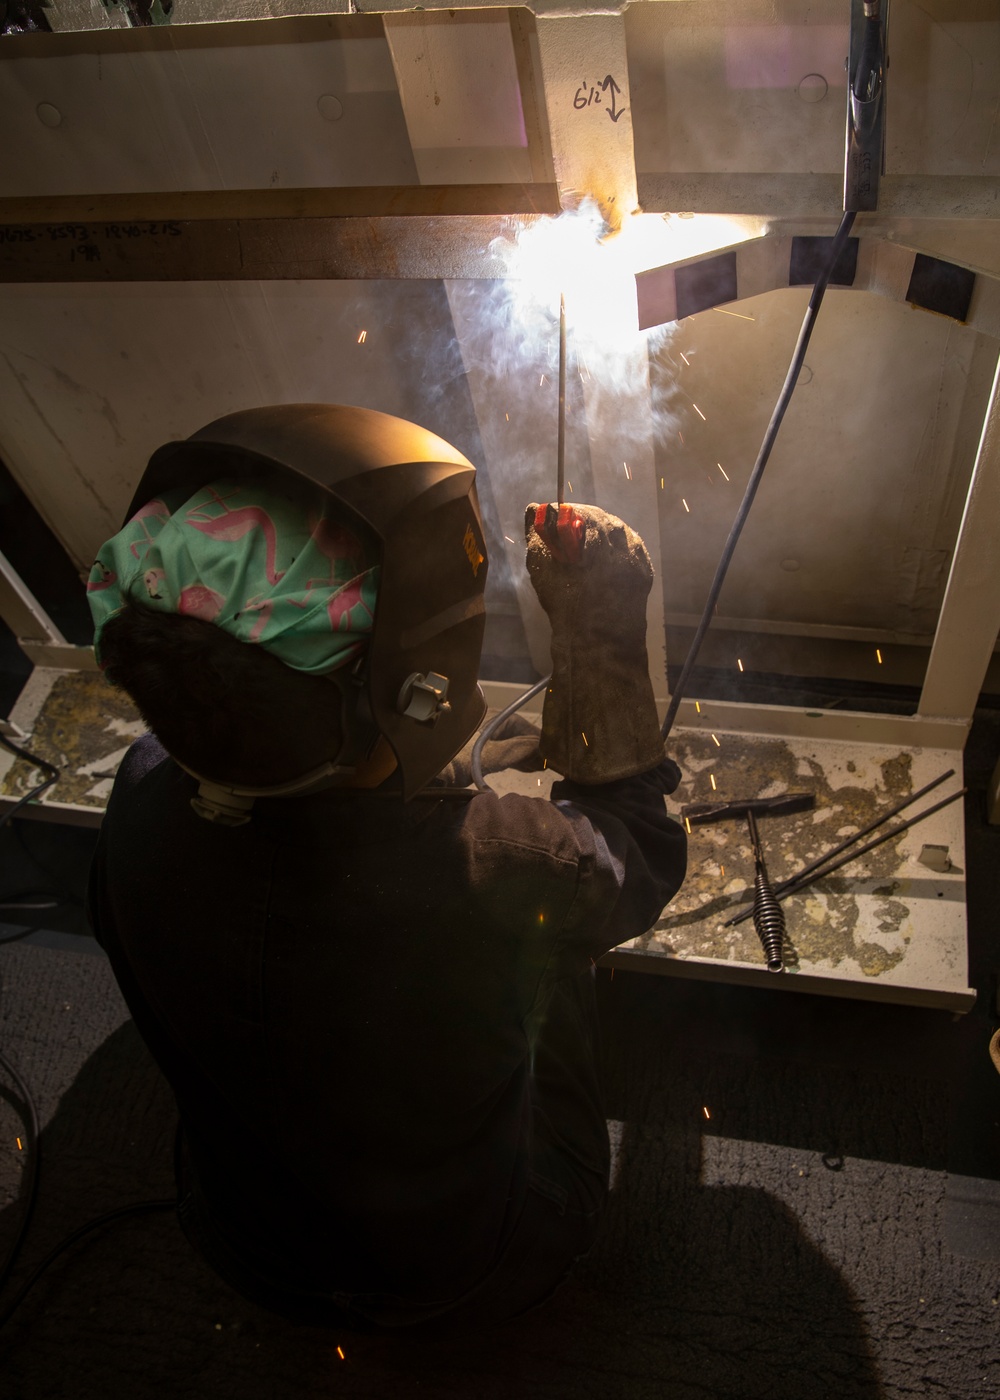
(489, 729)
(794, 370)
(140, 1208)
(31, 1185)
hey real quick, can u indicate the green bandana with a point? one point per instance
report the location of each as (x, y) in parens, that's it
(253, 561)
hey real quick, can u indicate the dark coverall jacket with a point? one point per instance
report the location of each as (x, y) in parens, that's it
(374, 1018)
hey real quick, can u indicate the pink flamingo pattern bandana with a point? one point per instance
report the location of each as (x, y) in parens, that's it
(252, 560)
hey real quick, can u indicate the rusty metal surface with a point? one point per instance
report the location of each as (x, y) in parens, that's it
(424, 246)
(83, 726)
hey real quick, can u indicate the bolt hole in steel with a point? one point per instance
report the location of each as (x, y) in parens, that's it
(813, 87)
(330, 108)
(47, 114)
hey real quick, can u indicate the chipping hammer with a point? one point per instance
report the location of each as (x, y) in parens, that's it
(768, 915)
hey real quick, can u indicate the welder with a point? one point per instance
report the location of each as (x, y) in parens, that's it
(371, 986)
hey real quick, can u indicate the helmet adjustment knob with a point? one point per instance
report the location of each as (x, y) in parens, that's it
(423, 697)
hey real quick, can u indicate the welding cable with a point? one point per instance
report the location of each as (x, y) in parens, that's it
(488, 731)
(31, 1189)
(33, 1128)
(140, 1208)
(794, 370)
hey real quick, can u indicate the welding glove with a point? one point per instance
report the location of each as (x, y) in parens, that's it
(592, 575)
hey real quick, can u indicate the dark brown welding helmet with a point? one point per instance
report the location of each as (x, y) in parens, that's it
(417, 684)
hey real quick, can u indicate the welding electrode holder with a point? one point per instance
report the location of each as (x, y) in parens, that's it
(867, 62)
(592, 575)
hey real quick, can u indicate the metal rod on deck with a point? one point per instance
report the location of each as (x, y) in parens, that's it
(799, 882)
(561, 439)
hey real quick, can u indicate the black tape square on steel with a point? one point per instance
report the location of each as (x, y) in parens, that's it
(941, 287)
(705, 284)
(810, 255)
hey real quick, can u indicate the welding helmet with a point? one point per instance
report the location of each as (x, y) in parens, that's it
(417, 681)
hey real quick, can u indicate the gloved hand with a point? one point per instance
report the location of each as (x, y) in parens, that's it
(592, 575)
(513, 745)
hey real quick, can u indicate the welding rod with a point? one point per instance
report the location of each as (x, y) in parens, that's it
(800, 881)
(836, 850)
(561, 439)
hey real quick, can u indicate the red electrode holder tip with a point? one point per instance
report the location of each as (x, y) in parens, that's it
(563, 532)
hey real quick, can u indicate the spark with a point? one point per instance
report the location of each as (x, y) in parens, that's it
(685, 359)
(19, 1147)
(545, 763)
(879, 655)
(699, 413)
(627, 472)
(716, 742)
(340, 1353)
(539, 782)
(541, 381)
(685, 505)
(687, 823)
(722, 869)
(612, 974)
(661, 483)
(711, 779)
(508, 539)
(737, 314)
(507, 416)
(697, 706)
(706, 1112)
(681, 436)
(362, 337)
(722, 470)
(739, 663)
(570, 485)
(584, 737)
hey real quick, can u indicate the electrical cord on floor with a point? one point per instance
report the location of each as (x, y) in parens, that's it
(794, 370)
(140, 1208)
(34, 1132)
(31, 1195)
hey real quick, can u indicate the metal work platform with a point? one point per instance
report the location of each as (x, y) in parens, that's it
(888, 928)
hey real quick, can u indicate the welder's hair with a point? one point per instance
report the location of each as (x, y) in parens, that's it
(226, 709)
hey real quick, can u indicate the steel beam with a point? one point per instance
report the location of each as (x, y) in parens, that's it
(22, 611)
(256, 249)
(970, 614)
(817, 196)
(585, 72)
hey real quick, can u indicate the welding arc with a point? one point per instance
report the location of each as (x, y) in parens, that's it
(799, 882)
(561, 438)
(794, 370)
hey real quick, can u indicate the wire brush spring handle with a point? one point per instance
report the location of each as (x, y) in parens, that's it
(768, 915)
